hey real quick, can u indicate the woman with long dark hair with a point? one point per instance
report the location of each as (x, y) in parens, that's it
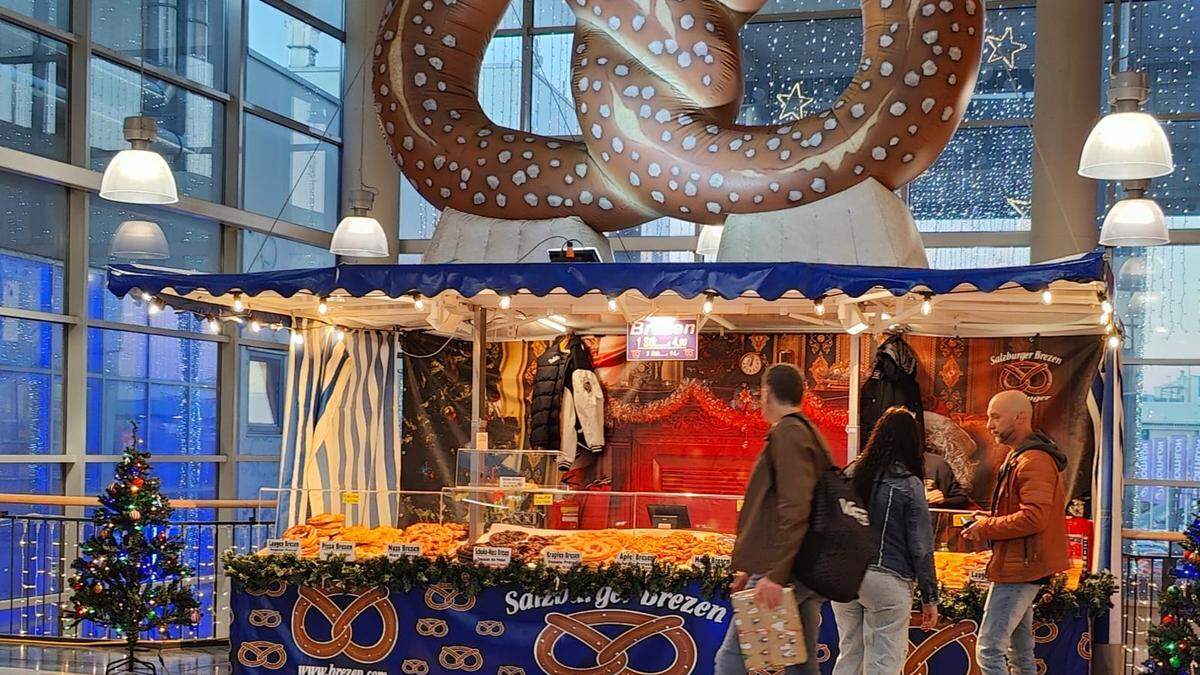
(888, 478)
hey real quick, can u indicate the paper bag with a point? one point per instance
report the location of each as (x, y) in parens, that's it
(769, 638)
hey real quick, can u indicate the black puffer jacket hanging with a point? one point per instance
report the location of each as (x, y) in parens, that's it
(893, 381)
(554, 369)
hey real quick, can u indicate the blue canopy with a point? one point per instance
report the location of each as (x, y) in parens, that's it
(769, 281)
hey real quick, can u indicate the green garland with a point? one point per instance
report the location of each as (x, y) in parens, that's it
(258, 572)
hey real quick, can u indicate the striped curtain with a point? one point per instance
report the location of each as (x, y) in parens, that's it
(341, 438)
(1108, 420)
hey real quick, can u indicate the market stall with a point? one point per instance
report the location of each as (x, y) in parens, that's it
(602, 559)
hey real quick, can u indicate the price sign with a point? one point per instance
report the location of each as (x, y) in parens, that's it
(714, 560)
(643, 560)
(336, 549)
(351, 498)
(492, 556)
(978, 576)
(397, 551)
(283, 547)
(481, 440)
(562, 559)
(543, 499)
(962, 519)
(512, 482)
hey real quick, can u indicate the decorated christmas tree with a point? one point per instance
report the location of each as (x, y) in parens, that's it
(130, 575)
(1173, 644)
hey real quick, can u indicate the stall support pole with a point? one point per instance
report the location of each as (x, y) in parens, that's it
(852, 431)
(478, 400)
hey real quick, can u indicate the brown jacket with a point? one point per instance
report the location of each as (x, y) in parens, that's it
(1028, 527)
(778, 502)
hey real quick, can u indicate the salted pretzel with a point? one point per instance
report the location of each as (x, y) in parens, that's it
(490, 628)
(457, 657)
(432, 627)
(264, 618)
(262, 654)
(414, 667)
(441, 597)
(612, 653)
(341, 621)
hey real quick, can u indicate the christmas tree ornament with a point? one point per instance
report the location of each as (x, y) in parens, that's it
(135, 515)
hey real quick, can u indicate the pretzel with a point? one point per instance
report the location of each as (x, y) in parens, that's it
(359, 534)
(441, 597)
(490, 628)
(414, 667)
(456, 657)
(510, 670)
(273, 589)
(432, 627)
(264, 618)
(262, 654)
(612, 653)
(657, 88)
(327, 519)
(341, 621)
(962, 632)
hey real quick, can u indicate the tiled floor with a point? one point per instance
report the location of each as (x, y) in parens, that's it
(24, 659)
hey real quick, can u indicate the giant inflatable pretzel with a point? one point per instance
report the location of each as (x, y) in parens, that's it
(657, 85)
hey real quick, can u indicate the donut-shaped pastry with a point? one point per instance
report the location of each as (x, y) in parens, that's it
(657, 85)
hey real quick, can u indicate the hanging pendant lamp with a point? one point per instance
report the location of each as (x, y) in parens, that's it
(1135, 220)
(359, 234)
(1127, 144)
(139, 240)
(139, 175)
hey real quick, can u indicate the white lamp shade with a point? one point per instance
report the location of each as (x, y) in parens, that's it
(709, 242)
(360, 237)
(139, 177)
(139, 240)
(1126, 146)
(1134, 222)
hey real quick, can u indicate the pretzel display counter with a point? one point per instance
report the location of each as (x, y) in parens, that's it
(526, 579)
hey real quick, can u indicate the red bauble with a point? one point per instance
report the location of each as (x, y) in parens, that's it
(1168, 620)
(138, 481)
(1183, 646)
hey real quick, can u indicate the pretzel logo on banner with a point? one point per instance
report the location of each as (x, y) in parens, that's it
(510, 670)
(1044, 632)
(273, 589)
(414, 667)
(341, 631)
(264, 618)
(1032, 377)
(441, 597)
(490, 628)
(432, 628)
(612, 652)
(262, 654)
(457, 657)
(962, 633)
(1085, 647)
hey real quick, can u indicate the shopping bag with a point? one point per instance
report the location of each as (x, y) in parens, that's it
(769, 639)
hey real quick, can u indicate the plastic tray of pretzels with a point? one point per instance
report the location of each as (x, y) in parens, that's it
(435, 539)
(598, 547)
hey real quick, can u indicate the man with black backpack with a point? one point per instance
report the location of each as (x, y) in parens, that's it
(775, 514)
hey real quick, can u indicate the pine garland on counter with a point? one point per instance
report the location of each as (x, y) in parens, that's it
(258, 572)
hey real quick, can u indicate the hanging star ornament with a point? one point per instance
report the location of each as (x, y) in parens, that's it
(1020, 206)
(793, 104)
(1004, 48)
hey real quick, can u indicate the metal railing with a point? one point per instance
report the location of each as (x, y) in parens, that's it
(1147, 568)
(40, 537)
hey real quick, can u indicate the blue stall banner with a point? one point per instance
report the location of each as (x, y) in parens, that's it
(502, 630)
(509, 631)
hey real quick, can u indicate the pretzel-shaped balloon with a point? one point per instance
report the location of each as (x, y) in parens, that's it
(657, 85)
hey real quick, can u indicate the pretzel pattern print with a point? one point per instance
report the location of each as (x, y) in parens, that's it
(432, 628)
(414, 667)
(657, 87)
(510, 670)
(457, 657)
(262, 654)
(273, 590)
(341, 632)
(612, 653)
(264, 618)
(440, 597)
(490, 628)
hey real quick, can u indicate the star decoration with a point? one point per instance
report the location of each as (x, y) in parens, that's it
(1021, 206)
(793, 104)
(1004, 48)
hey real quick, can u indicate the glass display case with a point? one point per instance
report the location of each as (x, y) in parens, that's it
(959, 562)
(506, 468)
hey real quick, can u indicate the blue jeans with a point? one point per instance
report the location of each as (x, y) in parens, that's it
(1006, 634)
(874, 628)
(729, 657)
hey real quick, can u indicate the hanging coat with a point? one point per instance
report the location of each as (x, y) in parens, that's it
(554, 370)
(893, 381)
(582, 418)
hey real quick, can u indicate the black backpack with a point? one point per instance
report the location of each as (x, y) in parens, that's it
(840, 542)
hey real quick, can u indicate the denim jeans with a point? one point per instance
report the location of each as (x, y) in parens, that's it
(874, 628)
(729, 657)
(1006, 634)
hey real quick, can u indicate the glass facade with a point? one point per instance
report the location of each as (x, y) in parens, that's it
(33, 92)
